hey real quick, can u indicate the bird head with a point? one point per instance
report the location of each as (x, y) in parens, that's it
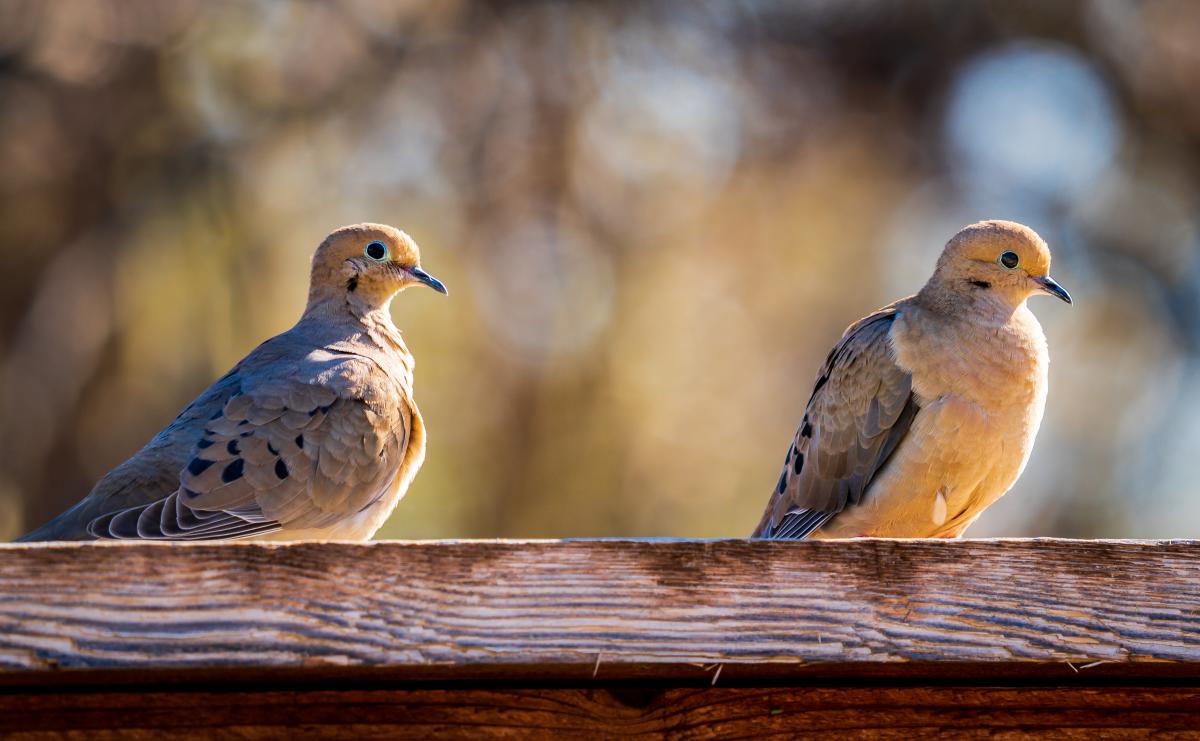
(366, 265)
(1003, 260)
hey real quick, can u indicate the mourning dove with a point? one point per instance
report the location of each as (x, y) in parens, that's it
(925, 411)
(314, 434)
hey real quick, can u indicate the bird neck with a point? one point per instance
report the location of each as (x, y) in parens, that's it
(351, 306)
(978, 305)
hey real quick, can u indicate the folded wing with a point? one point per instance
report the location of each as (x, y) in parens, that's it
(306, 447)
(860, 410)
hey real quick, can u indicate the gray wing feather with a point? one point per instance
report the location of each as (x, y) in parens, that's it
(861, 408)
(303, 449)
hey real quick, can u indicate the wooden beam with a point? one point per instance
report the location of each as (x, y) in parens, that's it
(886, 712)
(612, 609)
(585, 639)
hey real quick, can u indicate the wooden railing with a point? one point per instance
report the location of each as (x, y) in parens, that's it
(600, 638)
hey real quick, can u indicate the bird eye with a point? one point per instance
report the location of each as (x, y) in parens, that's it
(1009, 260)
(376, 251)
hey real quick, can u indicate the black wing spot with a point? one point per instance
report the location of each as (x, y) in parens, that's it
(799, 463)
(824, 379)
(782, 482)
(190, 494)
(218, 415)
(205, 443)
(281, 469)
(300, 441)
(198, 466)
(232, 447)
(233, 471)
(806, 428)
(271, 448)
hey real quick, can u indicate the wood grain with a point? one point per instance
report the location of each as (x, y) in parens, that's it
(886, 712)
(612, 608)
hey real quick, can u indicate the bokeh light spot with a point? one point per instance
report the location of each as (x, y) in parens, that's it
(1033, 117)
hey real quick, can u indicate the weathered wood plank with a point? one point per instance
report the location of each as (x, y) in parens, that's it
(885, 712)
(618, 608)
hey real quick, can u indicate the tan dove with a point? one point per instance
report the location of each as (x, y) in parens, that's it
(314, 434)
(925, 412)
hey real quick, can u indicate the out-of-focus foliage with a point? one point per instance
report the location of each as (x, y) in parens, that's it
(655, 218)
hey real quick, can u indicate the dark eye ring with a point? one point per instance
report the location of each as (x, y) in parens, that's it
(1009, 259)
(376, 251)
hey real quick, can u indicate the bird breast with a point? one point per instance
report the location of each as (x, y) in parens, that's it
(999, 367)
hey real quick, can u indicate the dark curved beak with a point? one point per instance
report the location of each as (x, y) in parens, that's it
(1050, 286)
(437, 285)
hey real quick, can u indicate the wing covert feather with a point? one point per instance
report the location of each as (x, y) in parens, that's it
(303, 448)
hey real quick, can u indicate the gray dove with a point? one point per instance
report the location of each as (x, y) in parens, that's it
(925, 412)
(314, 434)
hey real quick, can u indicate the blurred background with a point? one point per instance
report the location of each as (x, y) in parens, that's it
(654, 218)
